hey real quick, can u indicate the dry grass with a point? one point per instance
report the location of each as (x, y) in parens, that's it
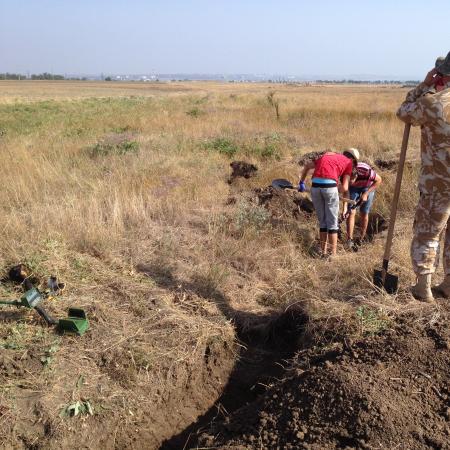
(143, 237)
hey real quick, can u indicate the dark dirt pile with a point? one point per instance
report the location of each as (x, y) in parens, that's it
(392, 164)
(387, 391)
(309, 157)
(284, 202)
(242, 169)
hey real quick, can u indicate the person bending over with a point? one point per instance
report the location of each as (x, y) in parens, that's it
(330, 171)
(362, 188)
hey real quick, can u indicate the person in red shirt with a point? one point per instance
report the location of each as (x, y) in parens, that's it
(330, 171)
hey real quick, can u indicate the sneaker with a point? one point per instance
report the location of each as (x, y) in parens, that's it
(351, 245)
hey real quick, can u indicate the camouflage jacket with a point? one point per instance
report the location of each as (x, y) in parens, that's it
(431, 110)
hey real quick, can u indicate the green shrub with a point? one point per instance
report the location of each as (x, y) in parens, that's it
(268, 151)
(265, 148)
(122, 129)
(222, 145)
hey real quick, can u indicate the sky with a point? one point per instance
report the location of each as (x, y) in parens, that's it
(321, 38)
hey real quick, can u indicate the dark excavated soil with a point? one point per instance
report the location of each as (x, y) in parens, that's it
(386, 391)
(241, 169)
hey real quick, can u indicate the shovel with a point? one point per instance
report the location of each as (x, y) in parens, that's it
(353, 205)
(381, 278)
(281, 183)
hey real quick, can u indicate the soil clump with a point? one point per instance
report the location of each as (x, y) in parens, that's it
(309, 157)
(242, 169)
(283, 202)
(392, 164)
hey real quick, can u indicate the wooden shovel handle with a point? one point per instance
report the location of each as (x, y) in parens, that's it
(398, 185)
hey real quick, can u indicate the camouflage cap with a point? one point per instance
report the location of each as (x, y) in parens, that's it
(443, 65)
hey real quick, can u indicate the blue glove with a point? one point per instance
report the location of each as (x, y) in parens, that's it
(301, 186)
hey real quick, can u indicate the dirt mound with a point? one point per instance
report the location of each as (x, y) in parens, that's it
(387, 391)
(284, 202)
(242, 169)
(308, 157)
(387, 164)
(392, 164)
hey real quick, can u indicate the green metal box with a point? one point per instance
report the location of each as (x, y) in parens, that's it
(77, 322)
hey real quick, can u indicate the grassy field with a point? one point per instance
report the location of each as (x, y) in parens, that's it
(121, 191)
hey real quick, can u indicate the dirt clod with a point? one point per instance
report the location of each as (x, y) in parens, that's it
(19, 273)
(309, 157)
(392, 164)
(284, 203)
(242, 169)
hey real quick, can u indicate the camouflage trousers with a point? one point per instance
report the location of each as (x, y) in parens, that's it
(430, 222)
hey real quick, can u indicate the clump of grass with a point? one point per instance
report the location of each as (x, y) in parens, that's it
(194, 112)
(115, 145)
(371, 321)
(78, 408)
(266, 151)
(223, 146)
(50, 352)
(122, 129)
(265, 148)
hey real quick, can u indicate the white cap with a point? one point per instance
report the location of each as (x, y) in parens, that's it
(354, 152)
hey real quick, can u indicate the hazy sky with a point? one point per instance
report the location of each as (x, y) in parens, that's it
(327, 37)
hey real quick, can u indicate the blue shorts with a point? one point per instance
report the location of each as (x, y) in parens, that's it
(355, 194)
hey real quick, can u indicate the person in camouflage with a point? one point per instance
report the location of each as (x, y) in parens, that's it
(428, 106)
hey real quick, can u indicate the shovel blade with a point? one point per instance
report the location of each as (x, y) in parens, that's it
(390, 284)
(281, 183)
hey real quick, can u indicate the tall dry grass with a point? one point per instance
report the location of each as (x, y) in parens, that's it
(53, 186)
(147, 223)
(173, 186)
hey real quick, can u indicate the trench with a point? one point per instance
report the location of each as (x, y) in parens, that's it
(266, 351)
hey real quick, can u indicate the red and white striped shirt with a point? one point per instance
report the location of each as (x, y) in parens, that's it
(366, 176)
